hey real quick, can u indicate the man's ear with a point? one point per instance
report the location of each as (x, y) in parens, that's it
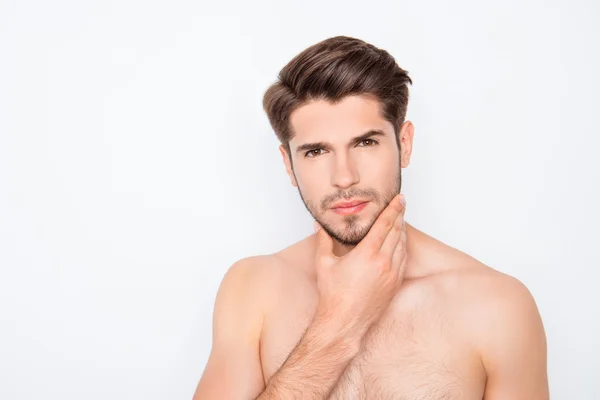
(288, 164)
(407, 133)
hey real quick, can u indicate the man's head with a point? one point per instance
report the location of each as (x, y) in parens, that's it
(339, 111)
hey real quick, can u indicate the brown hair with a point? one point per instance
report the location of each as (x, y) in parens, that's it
(331, 70)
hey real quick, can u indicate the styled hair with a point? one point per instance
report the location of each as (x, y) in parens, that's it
(331, 70)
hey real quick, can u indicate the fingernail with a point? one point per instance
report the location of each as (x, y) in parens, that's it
(316, 226)
(402, 200)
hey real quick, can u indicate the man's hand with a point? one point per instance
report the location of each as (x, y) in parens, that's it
(359, 286)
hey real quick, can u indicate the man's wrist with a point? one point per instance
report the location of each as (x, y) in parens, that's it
(336, 333)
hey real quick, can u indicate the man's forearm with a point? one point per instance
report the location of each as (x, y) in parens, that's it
(315, 365)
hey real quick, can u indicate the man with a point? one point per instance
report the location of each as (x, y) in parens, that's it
(369, 307)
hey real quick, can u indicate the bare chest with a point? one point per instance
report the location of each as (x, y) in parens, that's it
(416, 352)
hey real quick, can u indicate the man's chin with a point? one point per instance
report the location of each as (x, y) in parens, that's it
(347, 236)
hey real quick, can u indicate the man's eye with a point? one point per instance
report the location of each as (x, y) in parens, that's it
(369, 142)
(313, 153)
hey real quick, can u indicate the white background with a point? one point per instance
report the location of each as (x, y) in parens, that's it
(136, 165)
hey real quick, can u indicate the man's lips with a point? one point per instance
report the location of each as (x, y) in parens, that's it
(351, 203)
(350, 207)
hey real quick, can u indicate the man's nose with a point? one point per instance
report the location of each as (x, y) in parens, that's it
(345, 173)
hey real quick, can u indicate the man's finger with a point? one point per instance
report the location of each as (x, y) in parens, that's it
(391, 240)
(383, 225)
(400, 254)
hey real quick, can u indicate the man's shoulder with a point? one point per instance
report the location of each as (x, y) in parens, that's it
(504, 321)
(485, 293)
(485, 287)
(253, 270)
(462, 273)
(483, 282)
(496, 306)
(267, 270)
(504, 295)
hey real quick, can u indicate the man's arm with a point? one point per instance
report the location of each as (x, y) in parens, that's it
(316, 363)
(514, 351)
(233, 370)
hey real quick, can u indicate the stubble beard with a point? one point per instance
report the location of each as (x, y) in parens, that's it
(354, 231)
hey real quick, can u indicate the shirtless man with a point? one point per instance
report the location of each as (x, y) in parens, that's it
(369, 307)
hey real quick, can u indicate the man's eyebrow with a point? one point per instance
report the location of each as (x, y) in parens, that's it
(324, 145)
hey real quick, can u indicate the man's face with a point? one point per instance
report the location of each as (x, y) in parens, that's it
(344, 153)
